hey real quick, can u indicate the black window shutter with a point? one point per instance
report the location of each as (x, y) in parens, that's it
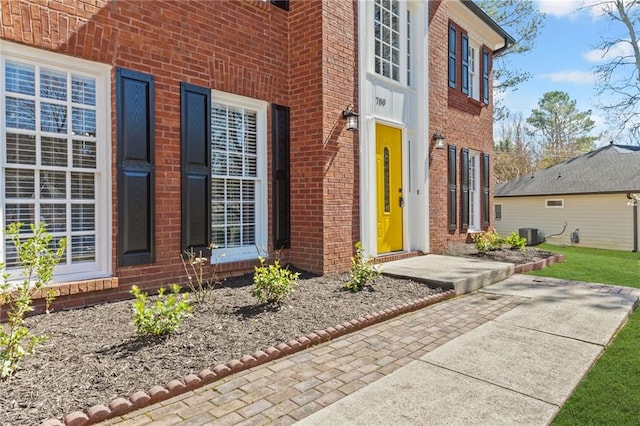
(452, 56)
(282, 4)
(281, 183)
(486, 201)
(453, 191)
(485, 77)
(464, 196)
(465, 64)
(136, 167)
(195, 122)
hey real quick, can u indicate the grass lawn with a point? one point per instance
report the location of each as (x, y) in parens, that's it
(610, 392)
(594, 265)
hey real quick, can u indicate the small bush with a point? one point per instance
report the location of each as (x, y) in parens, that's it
(516, 241)
(37, 259)
(363, 270)
(200, 285)
(487, 241)
(164, 316)
(273, 283)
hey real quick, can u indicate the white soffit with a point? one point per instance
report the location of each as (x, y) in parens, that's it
(474, 25)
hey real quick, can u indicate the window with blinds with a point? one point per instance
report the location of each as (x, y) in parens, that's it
(234, 175)
(50, 157)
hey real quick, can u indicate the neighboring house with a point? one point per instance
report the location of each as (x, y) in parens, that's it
(586, 201)
(139, 129)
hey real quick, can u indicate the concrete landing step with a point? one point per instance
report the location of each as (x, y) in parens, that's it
(462, 274)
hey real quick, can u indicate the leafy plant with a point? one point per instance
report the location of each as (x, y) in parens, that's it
(201, 287)
(272, 283)
(363, 270)
(162, 317)
(487, 241)
(38, 259)
(516, 241)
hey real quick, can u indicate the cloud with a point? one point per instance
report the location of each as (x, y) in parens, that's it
(620, 49)
(571, 8)
(559, 8)
(576, 77)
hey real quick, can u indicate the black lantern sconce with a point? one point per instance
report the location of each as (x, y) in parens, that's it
(438, 140)
(352, 118)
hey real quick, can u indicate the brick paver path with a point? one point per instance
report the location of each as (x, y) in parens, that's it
(293, 387)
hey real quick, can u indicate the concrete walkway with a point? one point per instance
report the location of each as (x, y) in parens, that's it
(507, 354)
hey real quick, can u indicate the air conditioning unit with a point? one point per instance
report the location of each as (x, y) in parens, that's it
(531, 234)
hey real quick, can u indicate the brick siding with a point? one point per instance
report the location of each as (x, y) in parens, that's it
(465, 122)
(305, 59)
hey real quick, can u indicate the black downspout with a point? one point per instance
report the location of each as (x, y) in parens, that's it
(635, 227)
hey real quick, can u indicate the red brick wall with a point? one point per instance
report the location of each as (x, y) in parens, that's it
(240, 47)
(466, 123)
(306, 87)
(340, 163)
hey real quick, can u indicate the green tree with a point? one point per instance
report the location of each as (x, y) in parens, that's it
(563, 131)
(523, 21)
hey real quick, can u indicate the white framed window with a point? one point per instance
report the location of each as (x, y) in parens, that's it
(498, 211)
(55, 154)
(238, 184)
(474, 191)
(474, 76)
(554, 203)
(408, 37)
(392, 40)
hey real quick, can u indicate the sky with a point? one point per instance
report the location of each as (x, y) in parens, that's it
(563, 59)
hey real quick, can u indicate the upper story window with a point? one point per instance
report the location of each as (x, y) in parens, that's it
(392, 40)
(468, 66)
(54, 151)
(474, 82)
(282, 4)
(387, 38)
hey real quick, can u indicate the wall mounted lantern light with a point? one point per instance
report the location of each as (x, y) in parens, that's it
(438, 140)
(352, 118)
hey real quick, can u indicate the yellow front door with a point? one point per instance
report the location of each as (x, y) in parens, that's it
(390, 199)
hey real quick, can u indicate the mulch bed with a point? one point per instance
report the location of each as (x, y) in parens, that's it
(516, 256)
(93, 355)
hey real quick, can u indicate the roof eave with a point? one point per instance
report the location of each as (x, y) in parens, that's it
(508, 39)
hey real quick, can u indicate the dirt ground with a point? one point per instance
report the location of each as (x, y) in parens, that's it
(93, 355)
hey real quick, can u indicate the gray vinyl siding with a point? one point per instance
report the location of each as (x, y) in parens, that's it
(603, 220)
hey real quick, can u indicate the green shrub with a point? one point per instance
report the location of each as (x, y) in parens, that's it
(37, 259)
(487, 241)
(516, 241)
(273, 283)
(162, 317)
(363, 270)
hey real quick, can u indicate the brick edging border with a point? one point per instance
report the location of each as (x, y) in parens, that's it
(540, 264)
(141, 399)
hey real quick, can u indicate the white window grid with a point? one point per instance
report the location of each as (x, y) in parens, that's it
(49, 167)
(387, 38)
(474, 81)
(408, 47)
(65, 164)
(473, 190)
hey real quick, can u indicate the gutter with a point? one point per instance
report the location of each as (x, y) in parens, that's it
(507, 45)
(508, 40)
